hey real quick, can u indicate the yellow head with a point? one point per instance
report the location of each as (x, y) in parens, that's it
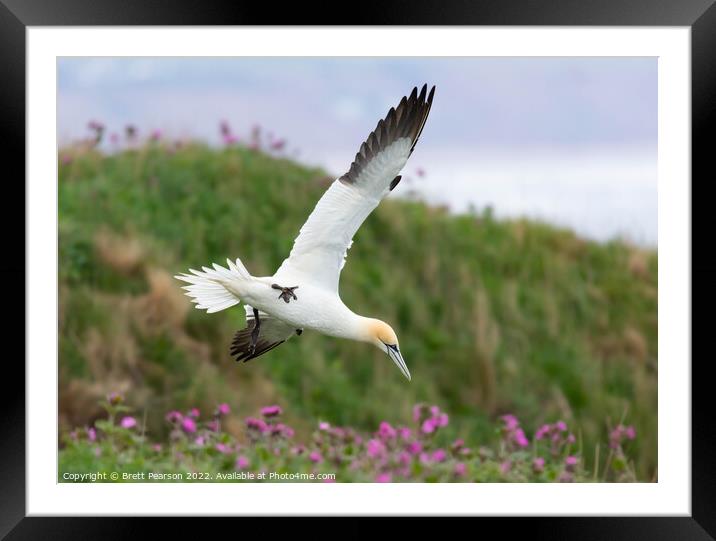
(384, 338)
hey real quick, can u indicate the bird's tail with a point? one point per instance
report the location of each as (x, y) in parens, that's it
(214, 289)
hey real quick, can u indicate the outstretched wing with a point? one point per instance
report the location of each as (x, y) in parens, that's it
(319, 251)
(272, 333)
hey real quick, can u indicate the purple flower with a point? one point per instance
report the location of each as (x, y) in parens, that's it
(193, 412)
(91, 434)
(511, 422)
(174, 417)
(385, 431)
(441, 420)
(542, 431)
(253, 423)
(223, 448)
(630, 432)
(404, 458)
(428, 426)
(156, 447)
(223, 409)
(213, 426)
(200, 440)
(460, 469)
(439, 455)
(375, 448)
(520, 438)
(561, 426)
(271, 411)
(405, 433)
(242, 462)
(538, 464)
(188, 425)
(414, 448)
(417, 412)
(384, 478)
(324, 426)
(457, 444)
(506, 466)
(570, 462)
(156, 135)
(315, 457)
(128, 422)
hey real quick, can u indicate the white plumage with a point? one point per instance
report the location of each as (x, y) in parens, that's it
(303, 293)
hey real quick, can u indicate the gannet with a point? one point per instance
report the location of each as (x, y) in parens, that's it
(303, 293)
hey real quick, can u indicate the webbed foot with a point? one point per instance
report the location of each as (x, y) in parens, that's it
(286, 292)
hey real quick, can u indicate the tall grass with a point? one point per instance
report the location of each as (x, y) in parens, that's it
(493, 316)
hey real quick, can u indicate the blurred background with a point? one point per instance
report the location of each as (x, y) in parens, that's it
(517, 260)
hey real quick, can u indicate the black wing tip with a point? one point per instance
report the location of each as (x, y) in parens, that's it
(406, 119)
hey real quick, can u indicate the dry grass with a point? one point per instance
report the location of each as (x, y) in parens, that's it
(123, 254)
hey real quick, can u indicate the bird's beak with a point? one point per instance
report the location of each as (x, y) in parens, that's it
(397, 357)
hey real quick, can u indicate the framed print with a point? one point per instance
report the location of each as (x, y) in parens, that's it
(432, 263)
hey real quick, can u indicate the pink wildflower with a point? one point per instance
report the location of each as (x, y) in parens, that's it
(520, 438)
(428, 426)
(242, 462)
(271, 411)
(460, 469)
(375, 448)
(253, 423)
(193, 412)
(128, 422)
(223, 409)
(384, 478)
(571, 462)
(538, 464)
(439, 455)
(414, 448)
(511, 422)
(174, 417)
(188, 425)
(324, 426)
(91, 434)
(385, 431)
(315, 457)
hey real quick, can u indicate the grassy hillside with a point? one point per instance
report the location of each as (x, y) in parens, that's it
(493, 316)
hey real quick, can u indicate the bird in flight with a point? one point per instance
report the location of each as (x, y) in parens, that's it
(303, 293)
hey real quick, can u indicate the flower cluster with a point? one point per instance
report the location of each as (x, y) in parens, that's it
(513, 434)
(421, 451)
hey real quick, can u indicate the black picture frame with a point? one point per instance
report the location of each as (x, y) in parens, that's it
(17, 15)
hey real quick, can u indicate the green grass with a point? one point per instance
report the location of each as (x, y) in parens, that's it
(493, 316)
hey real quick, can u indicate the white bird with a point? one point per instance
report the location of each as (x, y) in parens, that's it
(307, 281)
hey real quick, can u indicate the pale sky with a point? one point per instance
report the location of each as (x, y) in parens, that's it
(569, 140)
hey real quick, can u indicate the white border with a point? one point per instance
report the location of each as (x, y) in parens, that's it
(671, 495)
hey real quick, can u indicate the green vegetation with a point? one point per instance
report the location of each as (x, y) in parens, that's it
(493, 316)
